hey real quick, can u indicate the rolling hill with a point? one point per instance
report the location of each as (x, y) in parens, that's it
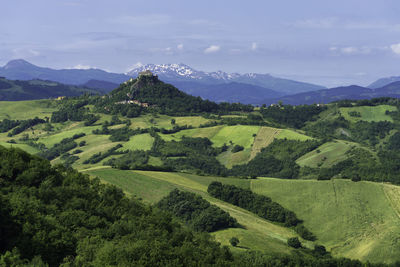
(332, 181)
(38, 89)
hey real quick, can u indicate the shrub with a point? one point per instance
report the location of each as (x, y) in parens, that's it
(294, 242)
(234, 241)
(237, 148)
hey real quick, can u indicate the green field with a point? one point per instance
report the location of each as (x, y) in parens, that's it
(25, 147)
(354, 220)
(229, 159)
(219, 135)
(326, 155)
(208, 132)
(238, 134)
(51, 139)
(292, 135)
(264, 137)
(164, 121)
(376, 113)
(139, 142)
(194, 121)
(257, 233)
(22, 110)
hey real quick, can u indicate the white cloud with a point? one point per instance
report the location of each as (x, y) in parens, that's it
(349, 50)
(212, 49)
(395, 48)
(180, 46)
(254, 46)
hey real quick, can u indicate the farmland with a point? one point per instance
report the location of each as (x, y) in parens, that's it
(367, 113)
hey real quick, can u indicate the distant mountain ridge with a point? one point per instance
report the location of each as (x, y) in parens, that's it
(175, 73)
(232, 92)
(20, 69)
(352, 92)
(383, 82)
(216, 86)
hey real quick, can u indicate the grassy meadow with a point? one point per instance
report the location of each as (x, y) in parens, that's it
(257, 233)
(326, 155)
(22, 110)
(368, 113)
(354, 220)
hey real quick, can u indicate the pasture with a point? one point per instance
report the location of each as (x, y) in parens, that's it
(257, 233)
(23, 110)
(326, 155)
(354, 220)
(368, 113)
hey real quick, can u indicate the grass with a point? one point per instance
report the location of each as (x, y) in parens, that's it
(376, 113)
(354, 220)
(326, 155)
(238, 134)
(22, 110)
(195, 121)
(257, 234)
(51, 138)
(264, 137)
(94, 144)
(229, 159)
(208, 132)
(139, 142)
(292, 135)
(25, 147)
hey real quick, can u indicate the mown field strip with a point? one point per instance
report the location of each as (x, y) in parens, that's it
(264, 137)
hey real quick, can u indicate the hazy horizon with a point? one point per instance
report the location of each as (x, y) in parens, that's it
(331, 44)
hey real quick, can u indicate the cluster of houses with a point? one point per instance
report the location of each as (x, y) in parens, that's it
(135, 102)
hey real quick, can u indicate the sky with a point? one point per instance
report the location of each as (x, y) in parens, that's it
(330, 43)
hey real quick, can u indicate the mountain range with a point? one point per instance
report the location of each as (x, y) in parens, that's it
(216, 86)
(174, 73)
(353, 92)
(219, 86)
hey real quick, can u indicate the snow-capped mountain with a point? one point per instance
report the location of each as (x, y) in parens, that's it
(177, 73)
(171, 71)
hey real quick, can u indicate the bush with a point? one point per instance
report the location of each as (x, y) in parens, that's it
(237, 148)
(234, 241)
(294, 242)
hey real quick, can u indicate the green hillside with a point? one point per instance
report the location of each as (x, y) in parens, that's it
(355, 220)
(341, 213)
(147, 149)
(367, 113)
(21, 110)
(257, 234)
(15, 90)
(326, 155)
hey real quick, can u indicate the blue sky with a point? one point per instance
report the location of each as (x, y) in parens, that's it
(326, 42)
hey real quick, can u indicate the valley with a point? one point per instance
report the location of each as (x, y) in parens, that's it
(332, 182)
